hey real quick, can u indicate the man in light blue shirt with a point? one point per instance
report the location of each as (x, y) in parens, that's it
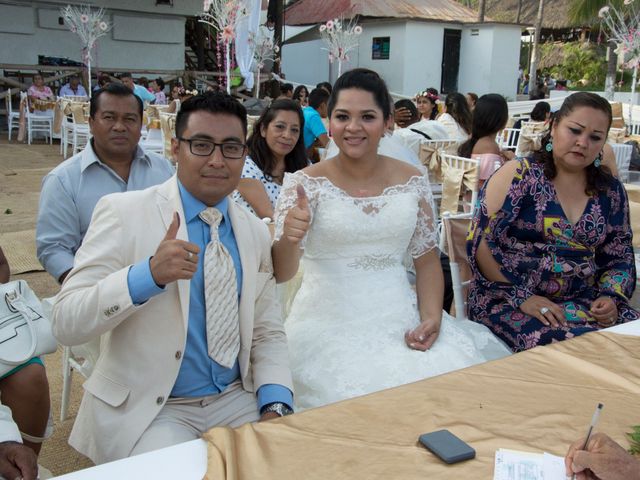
(73, 88)
(149, 296)
(111, 162)
(140, 92)
(315, 133)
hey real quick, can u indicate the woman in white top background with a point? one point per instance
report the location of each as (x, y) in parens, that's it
(276, 146)
(456, 118)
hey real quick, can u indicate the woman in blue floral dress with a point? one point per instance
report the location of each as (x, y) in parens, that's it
(550, 242)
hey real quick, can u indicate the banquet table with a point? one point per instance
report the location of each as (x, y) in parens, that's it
(538, 400)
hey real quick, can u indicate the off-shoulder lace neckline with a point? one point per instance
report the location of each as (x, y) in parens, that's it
(387, 190)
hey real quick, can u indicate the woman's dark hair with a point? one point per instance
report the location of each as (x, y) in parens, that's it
(539, 112)
(489, 117)
(298, 89)
(598, 178)
(260, 152)
(473, 97)
(367, 80)
(160, 82)
(409, 105)
(458, 108)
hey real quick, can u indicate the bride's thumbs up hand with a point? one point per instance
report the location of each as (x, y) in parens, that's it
(298, 219)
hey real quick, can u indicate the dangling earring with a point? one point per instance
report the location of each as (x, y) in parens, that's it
(549, 146)
(598, 161)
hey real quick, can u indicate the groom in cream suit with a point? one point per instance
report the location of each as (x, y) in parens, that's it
(183, 350)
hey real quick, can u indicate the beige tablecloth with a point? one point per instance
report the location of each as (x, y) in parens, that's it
(539, 400)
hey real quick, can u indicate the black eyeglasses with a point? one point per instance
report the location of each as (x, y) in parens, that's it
(204, 148)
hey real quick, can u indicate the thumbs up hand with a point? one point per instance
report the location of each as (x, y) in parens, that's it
(174, 259)
(298, 219)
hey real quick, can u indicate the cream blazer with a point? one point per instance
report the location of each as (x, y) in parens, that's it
(142, 345)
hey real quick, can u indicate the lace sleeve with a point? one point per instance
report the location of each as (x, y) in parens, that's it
(287, 200)
(425, 236)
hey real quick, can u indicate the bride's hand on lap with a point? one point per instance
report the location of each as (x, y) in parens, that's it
(298, 219)
(549, 313)
(424, 335)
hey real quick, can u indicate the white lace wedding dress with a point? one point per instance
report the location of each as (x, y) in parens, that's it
(347, 323)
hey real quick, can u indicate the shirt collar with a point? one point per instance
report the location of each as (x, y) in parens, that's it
(192, 206)
(89, 157)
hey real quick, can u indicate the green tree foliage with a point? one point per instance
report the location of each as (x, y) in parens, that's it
(581, 63)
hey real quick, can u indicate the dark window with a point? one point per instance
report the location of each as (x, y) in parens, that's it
(165, 2)
(380, 48)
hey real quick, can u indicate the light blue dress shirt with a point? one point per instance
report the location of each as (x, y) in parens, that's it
(66, 91)
(313, 126)
(199, 375)
(71, 191)
(144, 94)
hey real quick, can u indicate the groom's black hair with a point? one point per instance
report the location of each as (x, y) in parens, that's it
(367, 80)
(212, 102)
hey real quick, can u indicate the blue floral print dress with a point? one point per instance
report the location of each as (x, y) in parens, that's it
(541, 253)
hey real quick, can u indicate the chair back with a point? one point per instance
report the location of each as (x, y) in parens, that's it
(616, 135)
(459, 176)
(455, 232)
(507, 138)
(168, 129)
(7, 102)
(430, 152)
(623, 153)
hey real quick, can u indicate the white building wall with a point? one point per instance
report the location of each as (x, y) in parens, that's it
(489, 60)
(305, 62)
(151, 39)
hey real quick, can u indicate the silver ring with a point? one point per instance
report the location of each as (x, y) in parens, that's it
(189, 255)
(544, 310)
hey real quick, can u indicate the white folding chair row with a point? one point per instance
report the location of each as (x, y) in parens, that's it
(13, 118)
(623, 154)
(454, 228)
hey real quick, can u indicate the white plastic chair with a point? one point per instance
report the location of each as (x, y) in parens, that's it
(623, 154)
(154, 141)
(455, 231)
(13, 118)
(39, 123)
(507, 138)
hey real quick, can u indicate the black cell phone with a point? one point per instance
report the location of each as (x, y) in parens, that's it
(446, 446)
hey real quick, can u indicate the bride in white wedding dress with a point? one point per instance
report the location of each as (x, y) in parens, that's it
(356, 326)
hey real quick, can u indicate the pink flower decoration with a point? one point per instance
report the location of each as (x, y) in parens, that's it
(329, 25)
(323, 27)
(84, 18)
(103, 26)
(227, 34)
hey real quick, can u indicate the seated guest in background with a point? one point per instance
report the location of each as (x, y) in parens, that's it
(175, 91)
(111, 162)
(157, 88)
(186, 351)
(489, 117)
(275, 146)
(426, 102)
(472, 99)
(24, 411)
(326, 86)
(456, 118)
(602, 459)
(541, 114)
(550, 243)
(286, 91)
(103, 81)
(405, 113)
(315, 133)
(539, 92)
(73, 88)
(38, 90)
(141, 92)
(416, 127)
(301, 95)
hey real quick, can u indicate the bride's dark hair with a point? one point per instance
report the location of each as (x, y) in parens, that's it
(367, 80)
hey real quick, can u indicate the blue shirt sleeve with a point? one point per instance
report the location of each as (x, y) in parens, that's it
(58, 233)
(141, 284)
(316, 126)
(271, 393)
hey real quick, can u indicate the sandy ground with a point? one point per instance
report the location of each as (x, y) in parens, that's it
(21, 170)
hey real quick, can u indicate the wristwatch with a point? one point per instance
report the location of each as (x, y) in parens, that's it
(280, 408)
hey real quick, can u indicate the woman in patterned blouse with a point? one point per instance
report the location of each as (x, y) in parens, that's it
(276, 146)
(550, 242)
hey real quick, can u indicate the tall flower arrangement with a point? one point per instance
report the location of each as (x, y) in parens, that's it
(89, 25)
(224, 15)
(623, 27)
(265, 50)
(340, 39)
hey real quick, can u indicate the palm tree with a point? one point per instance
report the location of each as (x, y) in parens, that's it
(586, 11)
(481, 10)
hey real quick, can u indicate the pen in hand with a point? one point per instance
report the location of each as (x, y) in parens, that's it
(592, 426)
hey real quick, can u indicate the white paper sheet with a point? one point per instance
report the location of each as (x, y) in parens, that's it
(515, 465)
